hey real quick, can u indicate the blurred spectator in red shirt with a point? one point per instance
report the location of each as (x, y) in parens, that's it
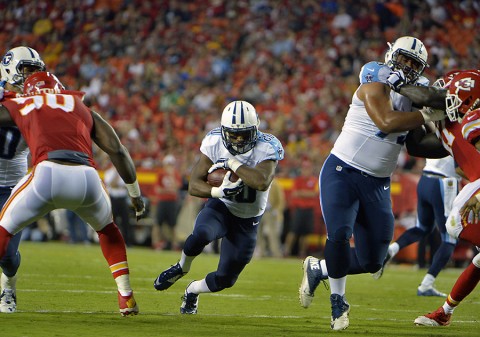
(304, 201)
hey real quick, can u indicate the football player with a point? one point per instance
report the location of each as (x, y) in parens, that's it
(234, 209)
(458, 134)
(355, 178)
(436, 190)
(15, 66)
(61, 146)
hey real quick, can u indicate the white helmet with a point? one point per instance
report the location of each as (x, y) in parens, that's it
(412, 48)
(239, 127)
(14, 62)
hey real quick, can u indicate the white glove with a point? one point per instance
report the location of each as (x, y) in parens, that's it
(231, 164)
(396, 80)
(228, 188)
(432, 115)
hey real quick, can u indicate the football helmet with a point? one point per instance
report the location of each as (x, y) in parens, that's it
(42, 81)
(17, 63)
(412, 48)
(239, 127)
(463, 95)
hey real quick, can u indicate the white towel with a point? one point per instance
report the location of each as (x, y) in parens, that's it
(450, 191)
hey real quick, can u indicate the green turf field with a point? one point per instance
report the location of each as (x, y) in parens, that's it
(66, 290)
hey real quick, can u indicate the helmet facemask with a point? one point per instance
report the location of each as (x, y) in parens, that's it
(463, 95)
(20, 62)
(239, 127)
(407, 49)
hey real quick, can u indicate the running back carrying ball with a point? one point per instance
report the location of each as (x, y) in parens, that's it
(216, 177)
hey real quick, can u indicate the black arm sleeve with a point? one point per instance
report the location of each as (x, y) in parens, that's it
(419, 143)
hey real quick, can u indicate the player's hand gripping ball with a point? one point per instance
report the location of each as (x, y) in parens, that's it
(215, 178)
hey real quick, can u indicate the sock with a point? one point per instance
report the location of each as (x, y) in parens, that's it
(427, 281)
(113, 249)
(323, 268)
(466, 282)
(198, 287)
(186, 262)
(123, 285)
(337, 285)
(393, 249)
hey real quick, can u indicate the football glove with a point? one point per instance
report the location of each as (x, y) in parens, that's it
(396, 80)
(432, 115)
(228, 188)
(231, 164)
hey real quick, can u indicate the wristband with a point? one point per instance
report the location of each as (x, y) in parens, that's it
(216, 192)
(133, 189)
(234, 164)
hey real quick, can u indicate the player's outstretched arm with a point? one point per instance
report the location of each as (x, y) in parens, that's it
(420, 143)
(425, 96)
(376, 98)
(107, 139)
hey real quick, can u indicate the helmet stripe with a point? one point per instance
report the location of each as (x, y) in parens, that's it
(234, 114)
(242, 114)
(31, 53)
(414, 44)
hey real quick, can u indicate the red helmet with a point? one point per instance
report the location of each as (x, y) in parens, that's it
(463, 94)
(42, 81)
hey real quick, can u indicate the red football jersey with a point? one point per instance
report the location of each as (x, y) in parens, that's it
(466, 156)
(51, 122)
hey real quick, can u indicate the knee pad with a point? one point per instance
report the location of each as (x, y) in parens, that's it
(342, 234)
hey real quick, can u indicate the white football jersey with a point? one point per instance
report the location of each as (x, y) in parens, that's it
(249, 203)
(444, 166)
(13, 156)
(361, 144)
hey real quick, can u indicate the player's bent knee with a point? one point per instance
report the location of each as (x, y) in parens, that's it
(342, 234)
(372, 267)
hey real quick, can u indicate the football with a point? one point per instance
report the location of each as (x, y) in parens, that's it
(216, 177)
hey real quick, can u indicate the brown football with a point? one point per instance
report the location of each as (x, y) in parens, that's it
(216, 177)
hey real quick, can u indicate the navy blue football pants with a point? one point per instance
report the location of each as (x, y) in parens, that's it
(354, 202)
(238, 235)
(11, 260)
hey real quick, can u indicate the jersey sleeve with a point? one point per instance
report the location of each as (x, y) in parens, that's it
(274, 150)
(471, 127)
(374, 72)
(209, 146)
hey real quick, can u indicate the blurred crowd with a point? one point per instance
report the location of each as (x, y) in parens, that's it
(162, 71)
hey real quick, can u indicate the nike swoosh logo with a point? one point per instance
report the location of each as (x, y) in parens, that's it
(386, 188)
(255, 223)
(370, 69)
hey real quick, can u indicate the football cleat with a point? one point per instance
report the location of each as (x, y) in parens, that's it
(340, 311)
(379, 273)
(8, 301)
(168, 277)
(431, 291)
(189, 303)
(436, 318)
(312, 275)
(127, 305)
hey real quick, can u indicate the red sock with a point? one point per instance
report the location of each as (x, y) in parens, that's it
(5, 237)
(466, 282)
(113, 248)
